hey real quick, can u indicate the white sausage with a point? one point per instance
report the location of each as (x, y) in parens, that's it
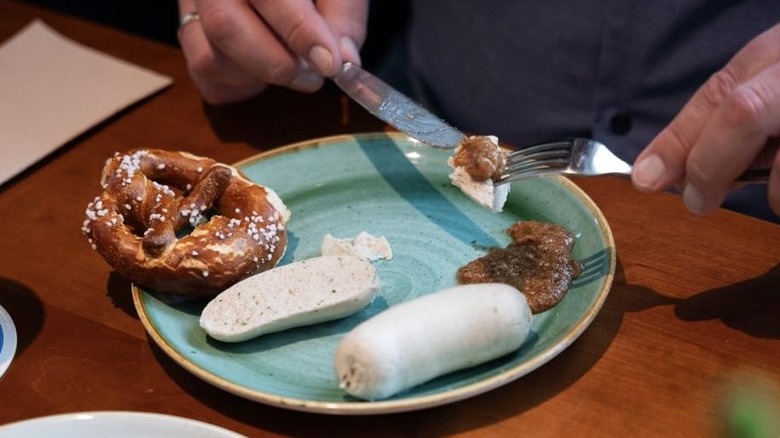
(300, 293)
(429, 336)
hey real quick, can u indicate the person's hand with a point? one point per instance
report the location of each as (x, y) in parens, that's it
(236, 48)
(720, 132)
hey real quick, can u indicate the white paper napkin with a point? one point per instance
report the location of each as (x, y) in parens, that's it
(53, 89)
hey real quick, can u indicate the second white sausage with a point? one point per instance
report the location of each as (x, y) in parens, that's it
(429, 336)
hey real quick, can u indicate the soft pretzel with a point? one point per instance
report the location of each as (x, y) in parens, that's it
(181, 224)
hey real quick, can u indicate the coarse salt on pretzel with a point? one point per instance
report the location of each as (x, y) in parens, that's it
(181, 224)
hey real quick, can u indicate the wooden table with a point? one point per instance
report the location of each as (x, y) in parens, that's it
(694, 304)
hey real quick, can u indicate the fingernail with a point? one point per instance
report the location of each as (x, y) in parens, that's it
(307, 80)
(648, 171)
(693, 199)
(349, 50)
(321, 59)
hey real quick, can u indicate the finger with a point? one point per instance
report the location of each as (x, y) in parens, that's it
(662, 163)
(732, 139)
(773, 189)
(218, 79)
(186, 8)
(301, 27)
(237, 31)
(207, 61)
(348, 20)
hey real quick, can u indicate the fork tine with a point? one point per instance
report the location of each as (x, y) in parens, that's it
(532, 169)
(538, 156)
(537, 160)
(551, 163)
(565, 144)
(555, 145)
(511, 177)
(542, 151)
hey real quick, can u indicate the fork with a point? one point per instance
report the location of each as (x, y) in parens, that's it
(572, 156)
(580, 157)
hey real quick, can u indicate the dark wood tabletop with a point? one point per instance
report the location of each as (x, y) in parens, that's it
(693, 309)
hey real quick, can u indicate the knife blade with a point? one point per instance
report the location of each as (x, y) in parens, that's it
(396, 109)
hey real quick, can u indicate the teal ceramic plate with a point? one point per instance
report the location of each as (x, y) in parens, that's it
(386, 184)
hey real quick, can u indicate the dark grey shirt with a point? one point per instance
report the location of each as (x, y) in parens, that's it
(617, 70)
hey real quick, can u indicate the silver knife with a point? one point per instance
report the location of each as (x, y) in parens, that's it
(395, 109)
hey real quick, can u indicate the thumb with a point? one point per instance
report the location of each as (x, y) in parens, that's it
(348, 20)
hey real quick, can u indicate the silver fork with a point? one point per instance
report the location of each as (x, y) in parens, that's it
(580, 157)
(573, 156)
